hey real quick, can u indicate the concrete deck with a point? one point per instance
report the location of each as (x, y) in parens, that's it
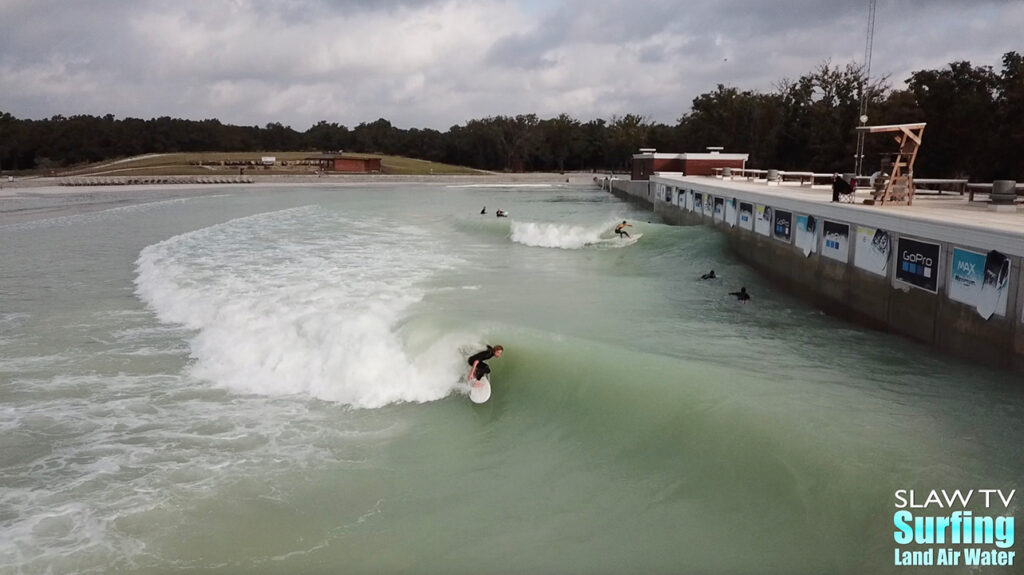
(946, 217)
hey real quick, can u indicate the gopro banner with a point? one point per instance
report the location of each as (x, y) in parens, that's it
(783, 225)
(719, 209)
(807, 234)
(709, 205)
(746, 216)
(836, 241)
(698, 202)
(873, 249)
(980, 280)
(763, 220)
(918, 264)
(730, 212)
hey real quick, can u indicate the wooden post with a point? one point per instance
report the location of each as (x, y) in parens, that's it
(899, 190)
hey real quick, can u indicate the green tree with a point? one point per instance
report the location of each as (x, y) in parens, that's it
(1008, 160)
(957, 103)
(626, 135)
(562, 139)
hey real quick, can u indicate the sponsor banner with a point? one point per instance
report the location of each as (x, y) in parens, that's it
(763, 220)
(719, 209)
(835, 241)
(730, 212)
(680, 198)
(996, 285)
(709, 205)
(783, 228)
(689, 200)
(807, 234)
(698, 202)
(746, 216)
(873, 249)
(980, 280)
(918, 264)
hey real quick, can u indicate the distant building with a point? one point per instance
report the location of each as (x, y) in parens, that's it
(649, 161)
(350, 164)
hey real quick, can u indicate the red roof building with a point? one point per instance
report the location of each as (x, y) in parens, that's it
(348, 164)
(649, 161)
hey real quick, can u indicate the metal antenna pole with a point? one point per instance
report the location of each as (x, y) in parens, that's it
(868, 44)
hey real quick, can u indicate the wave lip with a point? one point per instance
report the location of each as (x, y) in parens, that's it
(554, 235)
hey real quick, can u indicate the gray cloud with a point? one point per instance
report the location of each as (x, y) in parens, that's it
(436, 63)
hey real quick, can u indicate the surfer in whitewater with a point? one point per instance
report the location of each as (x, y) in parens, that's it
(478, 362)
(621, 229)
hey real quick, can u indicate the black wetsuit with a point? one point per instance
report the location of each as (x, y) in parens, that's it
(740, 295)
(482, 368)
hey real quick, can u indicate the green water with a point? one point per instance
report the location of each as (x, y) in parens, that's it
(268, 381)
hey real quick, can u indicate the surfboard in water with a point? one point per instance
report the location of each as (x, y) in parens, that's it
(480, 390)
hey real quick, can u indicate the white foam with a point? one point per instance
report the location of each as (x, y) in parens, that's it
(554, 235)
(301, 302)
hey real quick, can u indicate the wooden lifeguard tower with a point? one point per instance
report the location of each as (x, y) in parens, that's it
(899, 188)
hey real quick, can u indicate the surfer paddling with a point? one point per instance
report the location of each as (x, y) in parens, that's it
(621, 229)
(478, 361)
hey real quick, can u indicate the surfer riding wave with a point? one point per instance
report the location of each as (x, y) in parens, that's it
(478, 362)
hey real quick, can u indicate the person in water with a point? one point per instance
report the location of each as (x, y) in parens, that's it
(621, 229)
(478, 362)
(483, 210)
(501, 213)
(708, 276)
(741, 295)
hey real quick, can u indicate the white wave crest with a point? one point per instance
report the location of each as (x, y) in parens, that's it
(302, 302)
(552, 235)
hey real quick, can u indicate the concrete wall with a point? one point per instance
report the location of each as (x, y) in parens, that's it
(849, 292)
(639, 192)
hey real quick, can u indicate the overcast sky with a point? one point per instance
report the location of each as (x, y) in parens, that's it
(438, 63)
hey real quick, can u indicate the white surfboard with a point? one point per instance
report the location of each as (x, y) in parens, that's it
(480, 390)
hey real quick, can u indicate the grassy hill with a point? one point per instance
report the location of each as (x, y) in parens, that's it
(225, 163)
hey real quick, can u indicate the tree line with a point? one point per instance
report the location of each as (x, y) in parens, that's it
(975, 129)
